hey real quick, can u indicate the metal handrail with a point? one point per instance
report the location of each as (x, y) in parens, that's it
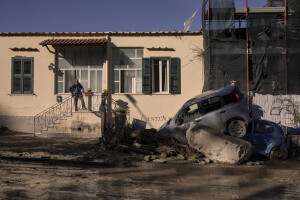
(52, 114)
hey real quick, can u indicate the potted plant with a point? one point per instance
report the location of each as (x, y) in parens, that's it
(104, 92)
(120, 116)
(89, 92)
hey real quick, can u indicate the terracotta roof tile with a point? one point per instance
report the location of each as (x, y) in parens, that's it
(24, 49)
(161, 49)
(72, 42)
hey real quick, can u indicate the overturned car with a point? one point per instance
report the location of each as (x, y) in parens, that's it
(224, 109)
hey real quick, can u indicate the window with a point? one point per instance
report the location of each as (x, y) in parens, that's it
(160, 78)
(211, 104)
(229, 98)
(161, 75)
(83, 63)
(260, 127)
(22, 75)
(190, 112)
(127, 69)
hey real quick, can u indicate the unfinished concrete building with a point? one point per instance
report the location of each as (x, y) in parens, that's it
(258, 48)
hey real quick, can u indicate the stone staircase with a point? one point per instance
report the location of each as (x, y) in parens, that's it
(61, 120)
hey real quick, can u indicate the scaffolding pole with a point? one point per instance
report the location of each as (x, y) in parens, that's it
(247, 40)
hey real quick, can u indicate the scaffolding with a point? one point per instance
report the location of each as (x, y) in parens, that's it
(256, 47)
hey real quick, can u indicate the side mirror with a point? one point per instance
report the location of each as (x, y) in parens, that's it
(179, 121)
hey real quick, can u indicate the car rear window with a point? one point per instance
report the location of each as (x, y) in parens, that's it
(260, 127)
(229, 98)
(211, 104)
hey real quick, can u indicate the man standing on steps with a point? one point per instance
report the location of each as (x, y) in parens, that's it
(76, 90)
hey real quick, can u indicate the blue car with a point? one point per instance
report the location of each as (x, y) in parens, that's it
(268, 139)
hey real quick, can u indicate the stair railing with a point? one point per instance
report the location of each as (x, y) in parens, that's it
(49, 116)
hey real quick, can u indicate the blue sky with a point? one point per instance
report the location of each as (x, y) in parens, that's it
(101, 15)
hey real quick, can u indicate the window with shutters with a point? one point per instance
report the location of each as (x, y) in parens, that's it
(161, 75)
(127, 69)
(22, 75)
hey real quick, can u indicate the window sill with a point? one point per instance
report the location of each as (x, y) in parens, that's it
(160, 93)
(128, 93)
(22, 94)
(142, 94)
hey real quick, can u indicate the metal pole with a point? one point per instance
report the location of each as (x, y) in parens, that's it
(71, 107)
(208, 40)
(285, 44)
(247, 40)
(34, 126)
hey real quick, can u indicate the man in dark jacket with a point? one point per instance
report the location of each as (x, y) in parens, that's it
(76, 89)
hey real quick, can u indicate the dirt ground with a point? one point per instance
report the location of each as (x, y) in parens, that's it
(126, 175)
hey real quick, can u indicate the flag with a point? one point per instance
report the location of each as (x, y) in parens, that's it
(187, 23)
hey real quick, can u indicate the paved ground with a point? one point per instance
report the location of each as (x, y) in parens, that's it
(51, 168)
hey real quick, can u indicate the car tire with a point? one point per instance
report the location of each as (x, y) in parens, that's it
(278, 154)
(237, 128)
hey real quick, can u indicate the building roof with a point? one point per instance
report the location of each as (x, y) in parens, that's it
(72, 42)
(151, 33)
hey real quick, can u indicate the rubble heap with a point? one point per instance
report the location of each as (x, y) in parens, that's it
(147, 142)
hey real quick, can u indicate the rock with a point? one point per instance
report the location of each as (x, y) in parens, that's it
(249, 163)
(193, 157)
(181, 157)
(259, 163)
(163, 155)
(135, 133)
(153, 157)
(147, 158)
(217, 146)
(137, 145)
(159, 161)
(207, 160)
(202, 162)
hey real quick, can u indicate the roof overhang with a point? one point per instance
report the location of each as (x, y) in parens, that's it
(74, 42)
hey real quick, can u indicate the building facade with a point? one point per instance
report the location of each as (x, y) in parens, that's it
(149, 73)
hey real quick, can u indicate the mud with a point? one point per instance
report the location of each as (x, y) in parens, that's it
(130, 177)
(174, 180)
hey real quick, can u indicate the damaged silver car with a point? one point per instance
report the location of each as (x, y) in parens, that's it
(224, 109)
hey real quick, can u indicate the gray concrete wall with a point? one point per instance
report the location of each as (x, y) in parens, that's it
(18, 123)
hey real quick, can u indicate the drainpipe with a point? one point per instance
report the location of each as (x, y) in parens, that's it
(109, 80)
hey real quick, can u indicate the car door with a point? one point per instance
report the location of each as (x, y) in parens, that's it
(262, 136)
(212, 113)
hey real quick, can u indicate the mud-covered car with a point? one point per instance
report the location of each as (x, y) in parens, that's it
(268, 139)
(224, 109)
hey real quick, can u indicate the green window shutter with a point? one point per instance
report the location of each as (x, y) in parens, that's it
(22, 75)
(27, 75)
(147, 76)
(175, 82)
(16, 75)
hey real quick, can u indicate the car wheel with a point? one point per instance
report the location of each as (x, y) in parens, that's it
(278, 154)
(237, 128)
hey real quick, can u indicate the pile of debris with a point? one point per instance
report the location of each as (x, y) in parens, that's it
(148, 142)
(204, 145)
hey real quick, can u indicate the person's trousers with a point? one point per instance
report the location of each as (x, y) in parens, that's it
(76, 97)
